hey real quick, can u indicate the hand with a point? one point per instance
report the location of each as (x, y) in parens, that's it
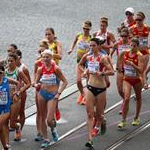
(36, 85)
(57, 96)
(129, 62)
(85, 74)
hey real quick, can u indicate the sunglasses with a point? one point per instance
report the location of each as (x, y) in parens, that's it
(124, 36)
(128, 14)
(86, 29)
(138, 19)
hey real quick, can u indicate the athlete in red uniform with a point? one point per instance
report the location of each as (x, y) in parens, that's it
(129, 21)
(132, 67)
(120, 46)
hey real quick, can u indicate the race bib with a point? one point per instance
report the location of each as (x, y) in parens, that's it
(129, 71)
(48, 79)
(93, 67)
(143, 41)
(122, 48)
(3, 98)
(82, 45)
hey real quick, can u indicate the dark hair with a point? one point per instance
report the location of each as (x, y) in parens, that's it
(124, 30)
(105, 20)
(141, 14)
(13, 55)
(2, 67)
(51, 29)
(89, 23)
(135, 40)
(96, 40)
(14, 46)
(19, 53)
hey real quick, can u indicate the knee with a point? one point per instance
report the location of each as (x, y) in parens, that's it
(50, 122)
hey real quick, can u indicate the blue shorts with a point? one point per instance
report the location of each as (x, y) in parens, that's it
(46, 95)
(4, 110)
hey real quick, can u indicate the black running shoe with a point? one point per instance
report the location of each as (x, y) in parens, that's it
(89, 144)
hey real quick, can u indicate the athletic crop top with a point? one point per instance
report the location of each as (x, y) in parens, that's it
(12, 75)
(5, 100)
(94, 65)
(128, 69)
(142, 35)
(105, 36)
(49, 76)
(122, 47)
(53, 48)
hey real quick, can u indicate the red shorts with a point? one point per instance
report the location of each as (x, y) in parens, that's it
(132, 81)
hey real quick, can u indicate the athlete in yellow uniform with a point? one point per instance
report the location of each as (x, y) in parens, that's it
(82, 41)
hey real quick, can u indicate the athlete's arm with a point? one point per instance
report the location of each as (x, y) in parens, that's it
(109, 71)
(114, 48)
(26, 72)
(63, 79)
(13, 81)
(59, 51)
(23, 77)
(73, 45)
(120, 62)
(82, 62)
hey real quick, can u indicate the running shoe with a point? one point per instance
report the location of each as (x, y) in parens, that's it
(39, 137)
(57, 114)
(89, 144)
(95, 131)
(8, 147)
(83, 101)
(45, 144)
(55, 134)
(79, 100)
(135, 122)
(103, 127)
(121, 124)
(18, 133)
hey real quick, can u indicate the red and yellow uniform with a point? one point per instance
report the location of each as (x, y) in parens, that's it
(130, 73)
(142, 35)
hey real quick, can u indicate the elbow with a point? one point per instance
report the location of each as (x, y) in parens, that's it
(66, 83)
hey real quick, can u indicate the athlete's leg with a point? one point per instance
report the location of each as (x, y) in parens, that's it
(137, 90)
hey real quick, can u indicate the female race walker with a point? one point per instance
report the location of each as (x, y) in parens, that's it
(82, 41)
(95, 94)
(131, 63)
(120, 46)
(5, 104)
(48, 78)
